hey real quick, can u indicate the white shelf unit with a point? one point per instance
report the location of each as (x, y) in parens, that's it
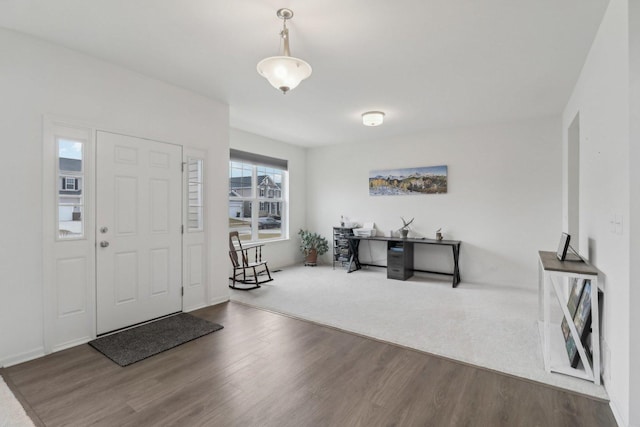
(555, 273)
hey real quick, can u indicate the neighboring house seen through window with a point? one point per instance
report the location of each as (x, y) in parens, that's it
(69, 159)
(69, 183)
(257, 196)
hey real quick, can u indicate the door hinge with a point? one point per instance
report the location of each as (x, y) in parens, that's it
(182, 229)
(183, 163)
(182, 291)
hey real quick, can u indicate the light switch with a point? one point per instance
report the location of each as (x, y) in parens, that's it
(619, 224)
(612, 223)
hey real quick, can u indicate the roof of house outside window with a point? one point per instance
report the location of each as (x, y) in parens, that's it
(71, 165)
(245, 182)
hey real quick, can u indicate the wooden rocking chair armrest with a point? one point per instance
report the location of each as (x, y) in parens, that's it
(252, 252)
(253, 246)
(243, 251)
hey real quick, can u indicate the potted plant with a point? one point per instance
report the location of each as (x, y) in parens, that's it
(312, 245)
(405, 228)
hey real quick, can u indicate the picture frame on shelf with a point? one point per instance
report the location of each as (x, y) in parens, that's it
(563, 246)
(572, 304)
(582, 322)
(572, 351)
(582, 318)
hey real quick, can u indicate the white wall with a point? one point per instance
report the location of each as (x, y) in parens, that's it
(634, 161)
(38, 78)
(601, 97)
(284, 252)
(503, 200)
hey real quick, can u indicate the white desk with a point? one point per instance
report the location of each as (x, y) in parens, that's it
(553, 272)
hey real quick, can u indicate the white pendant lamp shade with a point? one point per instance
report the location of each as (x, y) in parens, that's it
(372, 118)
(284, 72)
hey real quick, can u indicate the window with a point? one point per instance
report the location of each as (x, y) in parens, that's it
(257, 196)
(69, 183)
(195, 206)
(70, 198)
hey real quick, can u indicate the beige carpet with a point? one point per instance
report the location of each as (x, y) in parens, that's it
(489, 326)
(11, 412)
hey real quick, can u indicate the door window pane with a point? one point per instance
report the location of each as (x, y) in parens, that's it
(195, 206)
(70, 189)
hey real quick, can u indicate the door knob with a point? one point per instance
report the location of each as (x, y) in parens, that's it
(104, 230)
(104, 244)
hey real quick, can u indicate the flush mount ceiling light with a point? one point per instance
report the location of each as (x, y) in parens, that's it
(372, 118)
(284, 72)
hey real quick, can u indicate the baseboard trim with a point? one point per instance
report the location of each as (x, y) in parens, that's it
(219, 300)
(72, 343)
(616, 414)
(22, 357)
(194, 308)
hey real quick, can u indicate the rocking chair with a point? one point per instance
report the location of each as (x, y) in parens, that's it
(246, 271)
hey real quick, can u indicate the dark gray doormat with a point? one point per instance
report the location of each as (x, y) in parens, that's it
(132, 345)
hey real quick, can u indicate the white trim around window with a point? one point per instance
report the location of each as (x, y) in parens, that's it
(258, 197)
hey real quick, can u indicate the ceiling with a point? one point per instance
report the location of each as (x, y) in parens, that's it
(426, 63)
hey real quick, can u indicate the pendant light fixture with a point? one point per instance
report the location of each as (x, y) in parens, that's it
(284, 72)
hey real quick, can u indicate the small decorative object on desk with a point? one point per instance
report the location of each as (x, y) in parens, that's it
(439, 234)
(367, 230)
(405, 228)
(346, 222)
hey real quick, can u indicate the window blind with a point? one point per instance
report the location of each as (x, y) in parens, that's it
(258, 159)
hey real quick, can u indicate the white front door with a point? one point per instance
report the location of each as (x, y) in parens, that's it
(138, 221)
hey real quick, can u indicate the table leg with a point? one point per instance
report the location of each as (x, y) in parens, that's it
(354, 246)
(456, 268)
(547, 322)
(595, 330)
(541, 273)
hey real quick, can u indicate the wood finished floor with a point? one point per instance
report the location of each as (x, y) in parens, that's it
(265, 369)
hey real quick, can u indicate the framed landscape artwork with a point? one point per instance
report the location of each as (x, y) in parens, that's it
(408, 181)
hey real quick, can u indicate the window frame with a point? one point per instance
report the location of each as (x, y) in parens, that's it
(198, 183)
(77, 177)
(65, 183)
(258, 198)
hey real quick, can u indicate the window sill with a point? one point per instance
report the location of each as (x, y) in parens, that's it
(267, 241)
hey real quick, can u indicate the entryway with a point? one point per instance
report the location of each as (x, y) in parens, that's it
(138, 230)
